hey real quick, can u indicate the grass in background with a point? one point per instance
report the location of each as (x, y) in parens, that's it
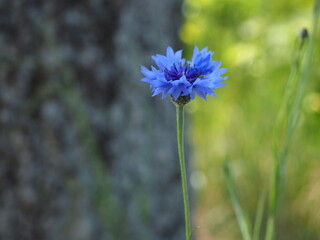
(254, 39)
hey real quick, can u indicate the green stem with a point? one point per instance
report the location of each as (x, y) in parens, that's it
(180, 130)
(293, 115)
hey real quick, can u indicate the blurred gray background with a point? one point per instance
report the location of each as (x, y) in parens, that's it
(85, 152)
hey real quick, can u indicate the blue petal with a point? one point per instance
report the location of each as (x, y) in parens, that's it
(200, 92)
(149, 75)
(195, 54)
(179, 88)
(170, 52)
(169, 60)
(203, 60)
(202, 87)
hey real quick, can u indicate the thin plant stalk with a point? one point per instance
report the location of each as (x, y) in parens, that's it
(241, 215)
(293, 115)
(180, 136)
(281, 131)
(259, 217)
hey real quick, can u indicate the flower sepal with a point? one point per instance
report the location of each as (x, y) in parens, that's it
(181, 101)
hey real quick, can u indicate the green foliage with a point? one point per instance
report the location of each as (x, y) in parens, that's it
(242, 218)
(255, 40)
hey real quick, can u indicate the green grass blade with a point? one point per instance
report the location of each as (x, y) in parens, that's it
(259, 217)
(241, 216)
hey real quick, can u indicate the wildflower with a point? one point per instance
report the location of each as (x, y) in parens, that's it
(183, 79)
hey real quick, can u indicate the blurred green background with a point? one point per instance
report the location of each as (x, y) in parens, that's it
(255, 40)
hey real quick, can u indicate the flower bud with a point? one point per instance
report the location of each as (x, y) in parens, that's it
(304, 34)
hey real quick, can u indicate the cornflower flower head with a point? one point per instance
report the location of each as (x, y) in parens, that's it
(182, 79)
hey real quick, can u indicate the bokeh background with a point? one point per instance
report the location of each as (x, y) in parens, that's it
(255, 40)
(86, 153)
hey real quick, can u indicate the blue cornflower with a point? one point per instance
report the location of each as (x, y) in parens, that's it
(180, 78)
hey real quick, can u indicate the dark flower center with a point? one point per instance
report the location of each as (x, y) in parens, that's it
(176, 72)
